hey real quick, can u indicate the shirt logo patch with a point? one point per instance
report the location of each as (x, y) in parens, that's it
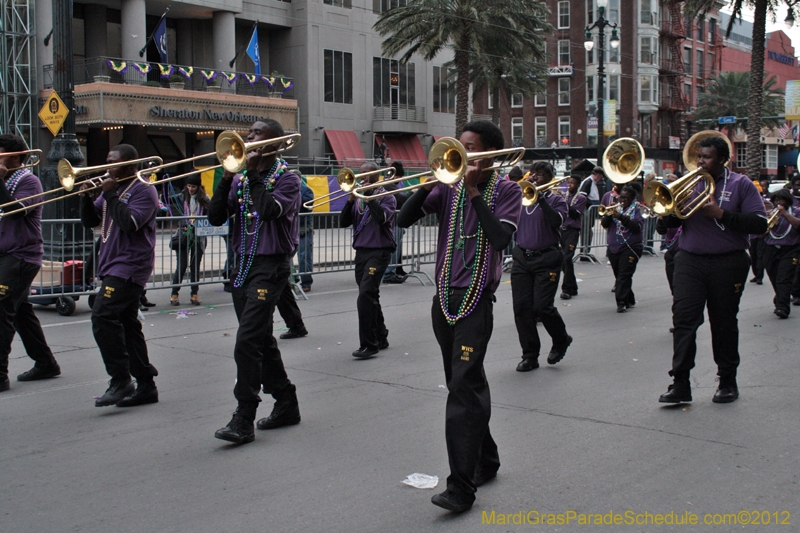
(125, 197)
(262, 294)
(724, 197)
(465, 351)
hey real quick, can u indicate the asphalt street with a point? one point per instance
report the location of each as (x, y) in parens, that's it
(586, 435)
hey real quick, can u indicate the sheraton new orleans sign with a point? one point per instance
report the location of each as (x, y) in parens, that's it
(205, 114)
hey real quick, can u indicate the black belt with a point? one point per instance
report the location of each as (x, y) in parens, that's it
(537, 253)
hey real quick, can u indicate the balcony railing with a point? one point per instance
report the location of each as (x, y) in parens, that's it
(410, 113)
(98, 69)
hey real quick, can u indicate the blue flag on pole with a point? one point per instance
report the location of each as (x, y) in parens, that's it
(160, 38)
(252, 51)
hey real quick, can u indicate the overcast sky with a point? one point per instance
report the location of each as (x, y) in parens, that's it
(794, 33)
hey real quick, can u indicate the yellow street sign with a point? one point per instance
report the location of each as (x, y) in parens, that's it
(53, 113)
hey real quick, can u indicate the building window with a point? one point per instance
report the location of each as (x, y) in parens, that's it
(444, 91)
(648, 50)
(541, 132)
(516, 131)
(687, 61)
(688, 23)
(590, 53)
(490, 100)
(563, 15)
(712, 30)
(382, 6)
(644, 89)
(700, 71)
(646, 12)
(338, 67)
(540, 100)
(769, 156)
(741, 155)
(392, 83)
(563, 91)
(687, 92)
(563, 131)
(589, 11)
(339, 3)
(701, 29)
(613, 11)
(563, 53)
(612, 88)
(590, 88)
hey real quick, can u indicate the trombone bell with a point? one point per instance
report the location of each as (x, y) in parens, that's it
(232, 151)
(68, 175)
(530, 192)
(623, 160)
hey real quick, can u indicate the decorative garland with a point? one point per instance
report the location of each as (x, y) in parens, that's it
(186, 71)
(142, 68)
(252, 78)
(118, 66)
(287, 86)
(479, 267)
(246, 217)
(209, 75)
(166, 70)
(231, 77)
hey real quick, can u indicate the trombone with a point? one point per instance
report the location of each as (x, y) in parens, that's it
(68, 177)
(682, 198)
(231, 151)
(530, 192)
(448, 161)
(34, 156)
(347, 180)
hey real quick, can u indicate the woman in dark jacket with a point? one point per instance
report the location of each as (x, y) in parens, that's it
(190, 247)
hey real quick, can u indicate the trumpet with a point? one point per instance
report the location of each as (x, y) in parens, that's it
(448, 161)
(683, 197)
(231, 152)
(623, 160)
(772, 221)
(34, 156)
(348, 180)
(68, 177)
(530, 192)
(609, 210)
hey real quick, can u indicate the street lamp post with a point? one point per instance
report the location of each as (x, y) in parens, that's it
(601, 24)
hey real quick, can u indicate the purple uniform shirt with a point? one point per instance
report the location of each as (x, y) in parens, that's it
(368, 233)
(533, 232)
(707, 236)
(278, 236)
(22, 238)
(789, 236)
(610, 198)
(578, 202)
(130, 255)
(619, 238)
(507, 205)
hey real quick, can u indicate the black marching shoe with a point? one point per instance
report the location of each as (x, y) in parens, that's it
(40, 373)
(527, 364)
(621, 308)
(566, 296)
(286, 411)
(482, 476)
(557, 353)
(294, 333)
(782, 313)
(453, 501)
(796, 300)
(146, 392)
(727, 391)
(118, 390)
(383, 344)
(240, 429)
(5, 385)
(365, 352)
(680, 391)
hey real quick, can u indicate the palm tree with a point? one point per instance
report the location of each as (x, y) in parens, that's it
(467, 27)
(755, 94)
(727, 96)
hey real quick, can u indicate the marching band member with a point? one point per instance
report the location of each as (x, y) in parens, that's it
(782, 252)
(265, 200)
(570, 232)
(477, 219)
(21, 252)
(624, 239)
(711, 271)
(795, 189)
(127, 221)
(373, 241)
(535, 273)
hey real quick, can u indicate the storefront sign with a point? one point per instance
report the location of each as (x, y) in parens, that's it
(205, 114)
(674, 143)
(792, 100)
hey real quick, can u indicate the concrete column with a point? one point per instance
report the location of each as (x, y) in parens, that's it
(185, 42)
(134, 29)
(95, 34)
(224, 24)
(44, 54)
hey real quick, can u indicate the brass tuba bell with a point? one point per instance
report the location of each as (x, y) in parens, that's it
(623, 160)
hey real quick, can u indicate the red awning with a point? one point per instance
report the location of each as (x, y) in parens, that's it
(404, 148)
(346, 147)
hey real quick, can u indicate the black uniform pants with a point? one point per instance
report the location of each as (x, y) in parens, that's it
(669, 263)
(118, 332)
(469, 404)
(534, 283)
(258, 359)
(781, 264)
(569, 241)
(371, 264)
(190, 258)
(289, 310)
(17, 316)
(623, 263)
(715, 282)
(796, 283)
(757, 249)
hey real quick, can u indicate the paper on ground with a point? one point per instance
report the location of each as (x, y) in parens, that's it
(421, 481)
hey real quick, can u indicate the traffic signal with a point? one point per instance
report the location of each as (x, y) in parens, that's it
(569, 164)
